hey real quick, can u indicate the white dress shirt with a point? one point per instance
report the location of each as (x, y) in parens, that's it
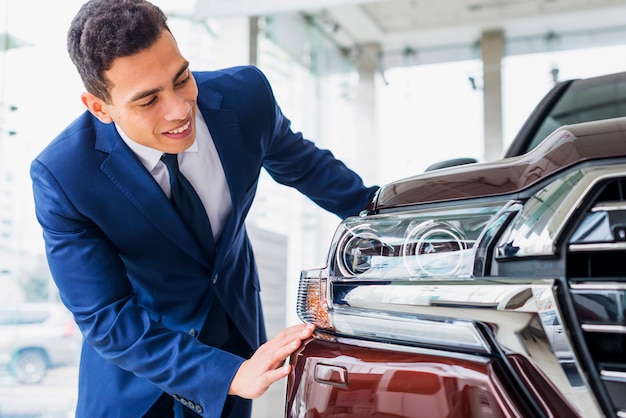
(201, 165)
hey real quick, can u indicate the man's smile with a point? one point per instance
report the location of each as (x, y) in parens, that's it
(181, 129)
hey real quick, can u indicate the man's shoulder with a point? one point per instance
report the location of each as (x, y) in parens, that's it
(230, 75)
(78, 134)
(233, 87)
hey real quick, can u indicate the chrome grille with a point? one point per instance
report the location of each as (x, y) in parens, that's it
(596, 274)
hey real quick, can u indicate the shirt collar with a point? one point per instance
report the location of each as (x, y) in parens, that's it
(149, 156)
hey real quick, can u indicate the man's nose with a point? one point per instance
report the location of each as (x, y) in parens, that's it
(178, 108)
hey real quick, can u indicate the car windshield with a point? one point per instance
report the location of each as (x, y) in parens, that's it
(584, 101)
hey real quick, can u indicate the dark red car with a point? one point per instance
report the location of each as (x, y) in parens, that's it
(492, 289)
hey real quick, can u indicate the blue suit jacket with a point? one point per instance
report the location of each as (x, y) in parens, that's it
(134, 278)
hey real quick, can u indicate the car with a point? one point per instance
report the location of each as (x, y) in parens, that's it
(482, 289)
(35, 338)
(556, 334)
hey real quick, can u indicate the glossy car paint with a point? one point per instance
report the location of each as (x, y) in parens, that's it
(357, 378)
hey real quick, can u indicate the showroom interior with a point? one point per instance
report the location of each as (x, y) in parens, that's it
(388, 86)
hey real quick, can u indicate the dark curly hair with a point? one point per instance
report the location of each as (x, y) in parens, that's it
(104, 30)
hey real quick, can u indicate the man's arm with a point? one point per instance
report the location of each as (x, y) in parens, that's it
(297, 162)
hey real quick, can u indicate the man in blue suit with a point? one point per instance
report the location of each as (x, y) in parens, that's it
(170, 327)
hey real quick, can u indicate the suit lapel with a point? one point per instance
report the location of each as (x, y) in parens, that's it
(226, 133)
(138, 186)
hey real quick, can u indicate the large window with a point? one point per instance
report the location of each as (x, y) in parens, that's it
(428, 113)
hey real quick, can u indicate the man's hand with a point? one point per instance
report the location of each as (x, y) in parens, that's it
(265, 366)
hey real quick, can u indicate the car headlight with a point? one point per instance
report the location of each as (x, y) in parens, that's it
(427, 245)
(420, 244)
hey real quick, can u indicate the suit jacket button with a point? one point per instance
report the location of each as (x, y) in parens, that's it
(192, 332)
(198, 408)
(215, 278)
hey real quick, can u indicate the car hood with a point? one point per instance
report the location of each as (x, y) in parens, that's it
(564, 148)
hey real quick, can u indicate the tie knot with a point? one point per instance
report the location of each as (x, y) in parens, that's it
(171, 162)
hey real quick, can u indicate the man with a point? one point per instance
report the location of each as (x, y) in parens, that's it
(170, 322)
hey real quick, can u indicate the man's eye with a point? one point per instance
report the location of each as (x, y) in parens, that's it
(149, 102)
(183, 81)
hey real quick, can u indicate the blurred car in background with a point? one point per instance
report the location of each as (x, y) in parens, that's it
(492, 289)
(35, 337)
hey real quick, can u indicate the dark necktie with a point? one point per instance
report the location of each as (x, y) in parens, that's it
(188, 204)
(215, 331)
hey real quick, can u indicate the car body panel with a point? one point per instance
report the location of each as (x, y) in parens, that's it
(354, 379)
(343, 377)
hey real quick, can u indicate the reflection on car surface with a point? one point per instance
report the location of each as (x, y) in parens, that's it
(36, 337)
(492, 289)
(556, 334)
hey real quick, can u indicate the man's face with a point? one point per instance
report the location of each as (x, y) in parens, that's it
(153, 97)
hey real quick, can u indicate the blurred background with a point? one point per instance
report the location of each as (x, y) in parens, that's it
(389, 87)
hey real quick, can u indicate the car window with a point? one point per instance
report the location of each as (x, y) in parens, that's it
(585, 100)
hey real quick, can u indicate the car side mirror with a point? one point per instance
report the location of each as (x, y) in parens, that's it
(451, 163)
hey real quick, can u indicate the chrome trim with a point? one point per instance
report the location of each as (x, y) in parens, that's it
(539, 225)
(614, 375)
(390, 346)
(598, 286)
(331, 375)
(513, 308)
(408, 327)
(606, 329)
(604, 246)
(482, 248)
(608, 303)
(609, 206)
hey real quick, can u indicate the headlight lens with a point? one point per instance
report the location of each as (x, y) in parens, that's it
(417, 244)
(360, 248)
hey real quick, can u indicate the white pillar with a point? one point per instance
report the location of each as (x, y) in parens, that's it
(233, 46)
(365, 123)
(492, 49)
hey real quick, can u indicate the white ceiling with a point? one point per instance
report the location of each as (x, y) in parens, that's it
(399, 26)
(398, 23)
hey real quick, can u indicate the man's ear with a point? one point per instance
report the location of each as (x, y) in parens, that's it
(97, 107)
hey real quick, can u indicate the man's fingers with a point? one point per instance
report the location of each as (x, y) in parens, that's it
(283, 345)
(267, 364)
(287, 336)
(289, 339)
(300, 331)
(278, 373)
(285, 351)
